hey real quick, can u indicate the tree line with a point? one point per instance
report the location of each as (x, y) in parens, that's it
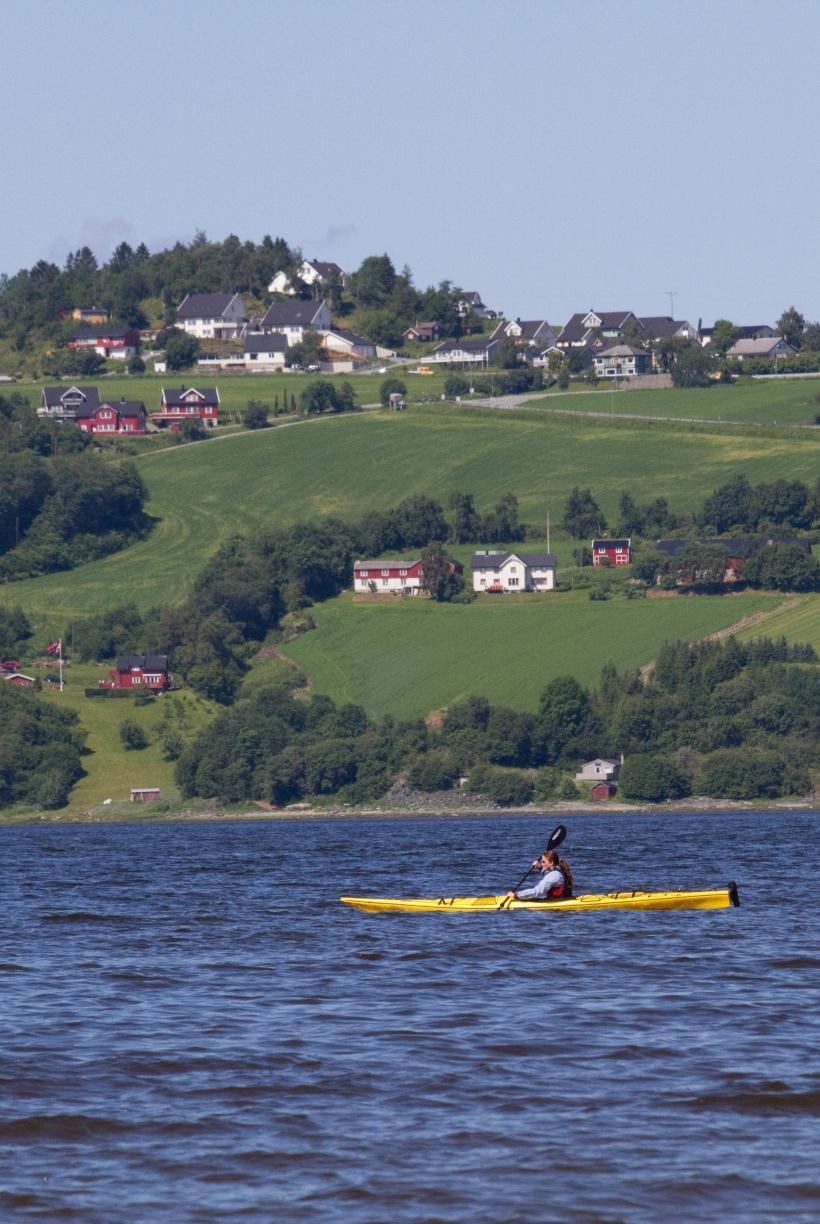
(726, 719)
(59, 505)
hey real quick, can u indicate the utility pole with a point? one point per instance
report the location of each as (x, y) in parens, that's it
(670, 293)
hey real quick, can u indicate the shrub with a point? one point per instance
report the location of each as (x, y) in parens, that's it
(132, 736)
(432, 771)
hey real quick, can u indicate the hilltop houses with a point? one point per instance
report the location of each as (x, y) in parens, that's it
(118, 343)
(140, 672)
(293, 318)
(212, 316)
(312, 272)
(82, 407)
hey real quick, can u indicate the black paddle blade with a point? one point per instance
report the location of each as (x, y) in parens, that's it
(555, 838)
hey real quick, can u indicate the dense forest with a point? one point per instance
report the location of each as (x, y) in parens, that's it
(722, 719)
(61, 503)
(40, 750)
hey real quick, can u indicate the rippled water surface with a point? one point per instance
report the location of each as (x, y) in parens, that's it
(192, 1027)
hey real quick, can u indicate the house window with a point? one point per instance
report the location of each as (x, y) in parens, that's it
(385, 581)
(402, 573)
(387, 572)
(513, 582)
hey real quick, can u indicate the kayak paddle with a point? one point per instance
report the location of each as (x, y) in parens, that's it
(555, 838)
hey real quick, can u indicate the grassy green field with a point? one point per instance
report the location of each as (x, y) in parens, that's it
(110, 771)
(202, 493)
(793, 401)
(410, 657)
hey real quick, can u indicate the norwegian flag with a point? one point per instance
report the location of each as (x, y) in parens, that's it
(55, 648)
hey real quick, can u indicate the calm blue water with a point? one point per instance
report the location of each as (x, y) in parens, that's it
(192, 1028)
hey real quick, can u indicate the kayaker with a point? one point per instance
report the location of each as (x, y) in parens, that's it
(555, 881)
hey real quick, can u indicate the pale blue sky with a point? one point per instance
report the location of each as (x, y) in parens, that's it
(555, 156)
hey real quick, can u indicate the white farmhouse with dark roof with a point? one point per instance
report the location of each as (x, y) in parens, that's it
(212, 316)
(265, 350)
(497, 572)
(311, 272)
(765, 346)
(292, 318)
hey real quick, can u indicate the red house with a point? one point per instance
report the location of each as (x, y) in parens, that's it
(394, 577)
(139, 671)
(112, 417)
(19, 679)
(618, 551)
(187, 404)
(603, 790)
(116, 342)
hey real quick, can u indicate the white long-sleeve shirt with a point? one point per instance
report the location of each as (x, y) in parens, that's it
(549, 879)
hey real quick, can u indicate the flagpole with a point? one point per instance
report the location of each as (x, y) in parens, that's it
(60, 653)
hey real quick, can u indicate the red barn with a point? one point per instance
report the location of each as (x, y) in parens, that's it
(617, 551)
(603, 790)
(187, 404)
(140, 671)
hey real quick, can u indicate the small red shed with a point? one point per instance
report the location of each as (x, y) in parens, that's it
(144, 794)
(603, 790)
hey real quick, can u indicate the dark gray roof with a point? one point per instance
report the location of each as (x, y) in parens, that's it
(103, 329)
(734, 546)
(492, 560)
(151, 662)
(53, 396)
(611, 543)
(469, 344)
(265, 342)
(622, 350)
(325, 268)
(173, 398)
(661, 326)
(575, 329)
(291, 313)
(352, 336)
(531, 328)
(205, 305)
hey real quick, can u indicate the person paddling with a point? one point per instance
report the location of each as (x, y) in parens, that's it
(555, 881)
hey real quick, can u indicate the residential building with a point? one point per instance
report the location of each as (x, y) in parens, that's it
(311, 272)
(496, 572)
(621, 361)
(113, 417)
(393, 577)
(595, 327)
(664, 327)
(615, 552)
(602, 791)
(63, 403)
(140, 671)
(293, 318)
(265, 350)
(116, 342)
(764, 346)
(342, 344)
(531, 332)
(748, 331)
(185, 404)
(212, 316)
(90, 314)
(470, 303)
(466, 350)
(738, 549)
(422, 332)
(601, 769)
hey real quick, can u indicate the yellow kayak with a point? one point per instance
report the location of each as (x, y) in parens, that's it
(689, 898)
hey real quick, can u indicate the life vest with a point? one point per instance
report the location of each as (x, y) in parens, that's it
(557, 890)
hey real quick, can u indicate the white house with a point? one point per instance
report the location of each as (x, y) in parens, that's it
(580, 329)
(497, 572)
(601, 769)
(621, 361)
(292, 318)
(311, 272)
(535, 332)
(212, 316)
(341, 342)
(66, 403)
(265, 351)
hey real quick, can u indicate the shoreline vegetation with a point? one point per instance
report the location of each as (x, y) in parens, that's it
(430, 807)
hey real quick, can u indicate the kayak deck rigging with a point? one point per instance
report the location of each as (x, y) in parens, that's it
(632, 899)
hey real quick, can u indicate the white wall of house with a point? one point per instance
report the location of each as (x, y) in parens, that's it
(265, 361)
(513, 575)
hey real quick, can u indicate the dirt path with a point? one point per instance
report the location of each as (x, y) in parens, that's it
(754, 618)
